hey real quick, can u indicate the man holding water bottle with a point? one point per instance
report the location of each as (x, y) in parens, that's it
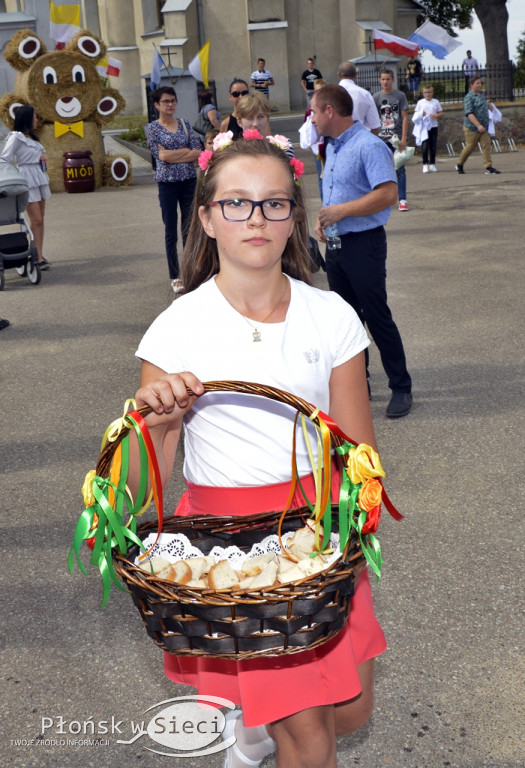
(359, 187)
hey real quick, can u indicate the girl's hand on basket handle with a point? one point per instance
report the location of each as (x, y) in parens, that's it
(166, 393)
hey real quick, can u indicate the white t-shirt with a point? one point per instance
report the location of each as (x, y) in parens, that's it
(470, 66)
(429, 107)
(365, 109)
(233, 439)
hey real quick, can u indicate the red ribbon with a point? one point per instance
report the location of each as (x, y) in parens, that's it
(156, 482)
(339, 432)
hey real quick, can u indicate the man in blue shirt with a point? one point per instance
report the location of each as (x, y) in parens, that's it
(359, 186)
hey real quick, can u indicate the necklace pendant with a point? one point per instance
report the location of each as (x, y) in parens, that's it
(256, 335)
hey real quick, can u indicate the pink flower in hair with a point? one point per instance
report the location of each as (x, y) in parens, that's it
(298, 167)
(251, 134)
(223, 140)
(279, 141)
(204, 159)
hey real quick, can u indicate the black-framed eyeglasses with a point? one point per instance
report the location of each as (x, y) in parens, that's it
(236, 94)
(168, 101)
(241, 209)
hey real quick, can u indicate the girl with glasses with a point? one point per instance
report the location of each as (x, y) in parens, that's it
(249, 313)
(175, 148)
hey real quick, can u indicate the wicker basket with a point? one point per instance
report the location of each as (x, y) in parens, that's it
(240, 624)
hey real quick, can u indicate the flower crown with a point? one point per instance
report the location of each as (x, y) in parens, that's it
(225, 139)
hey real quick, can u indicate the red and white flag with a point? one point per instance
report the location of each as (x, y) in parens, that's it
(397, 45)
(114, 67)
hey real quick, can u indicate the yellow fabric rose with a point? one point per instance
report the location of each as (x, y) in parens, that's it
(87, 488)
(363, 463)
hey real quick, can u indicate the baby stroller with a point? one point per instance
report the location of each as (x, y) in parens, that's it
(17, 249)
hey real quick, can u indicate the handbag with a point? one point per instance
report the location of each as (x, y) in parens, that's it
(202, 125)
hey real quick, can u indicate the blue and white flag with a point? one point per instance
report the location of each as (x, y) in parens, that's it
(156, 65)
(435, 39)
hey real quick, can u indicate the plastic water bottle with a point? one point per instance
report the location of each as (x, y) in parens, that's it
(333, 241)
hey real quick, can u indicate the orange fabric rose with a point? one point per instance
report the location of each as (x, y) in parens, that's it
(370, 494)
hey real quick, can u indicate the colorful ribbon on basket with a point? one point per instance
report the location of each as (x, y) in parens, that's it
(360, 495)
(109, 501)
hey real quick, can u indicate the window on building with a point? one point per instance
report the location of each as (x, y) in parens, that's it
(152, 15)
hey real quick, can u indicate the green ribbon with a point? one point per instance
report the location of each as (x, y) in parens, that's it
(348, 506)
(111, 531)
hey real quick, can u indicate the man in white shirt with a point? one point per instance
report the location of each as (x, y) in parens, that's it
(365, 109)
(470, 68)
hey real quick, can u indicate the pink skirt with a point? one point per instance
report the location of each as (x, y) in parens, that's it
(269, 689)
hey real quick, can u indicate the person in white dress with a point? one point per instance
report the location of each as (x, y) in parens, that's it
(22, 146)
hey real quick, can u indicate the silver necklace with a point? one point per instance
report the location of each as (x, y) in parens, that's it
(256, 334)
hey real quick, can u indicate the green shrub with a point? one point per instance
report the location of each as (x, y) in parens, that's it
(136, 135)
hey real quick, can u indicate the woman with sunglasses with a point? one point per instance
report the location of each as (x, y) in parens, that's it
(175, 149)
(249, 313)
(238, 89)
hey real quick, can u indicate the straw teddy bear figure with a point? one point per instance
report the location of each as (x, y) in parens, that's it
(69, 97)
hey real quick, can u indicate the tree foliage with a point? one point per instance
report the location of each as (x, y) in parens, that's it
(521, 49)
(448, 13)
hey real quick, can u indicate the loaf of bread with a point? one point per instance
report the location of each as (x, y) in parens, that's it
(160, 567)
(182, 572)
(222, 576)
(303, 542)
(266, 578)
(258, 572)
(256, 565)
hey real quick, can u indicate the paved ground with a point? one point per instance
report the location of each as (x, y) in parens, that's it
(450, 687)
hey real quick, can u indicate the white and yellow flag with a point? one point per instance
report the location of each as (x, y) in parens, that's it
(64, 22)
(198, 66)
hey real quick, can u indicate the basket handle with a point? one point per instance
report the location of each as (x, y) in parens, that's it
(239, 387)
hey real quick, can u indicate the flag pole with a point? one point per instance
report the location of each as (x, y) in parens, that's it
(173, 81)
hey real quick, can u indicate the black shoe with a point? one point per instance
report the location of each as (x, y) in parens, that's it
(44, 264)
(3, 323)
(399, 405)
(459, 168)
(491, 170)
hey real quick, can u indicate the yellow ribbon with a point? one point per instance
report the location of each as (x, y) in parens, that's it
(116, 427)
(62, 128)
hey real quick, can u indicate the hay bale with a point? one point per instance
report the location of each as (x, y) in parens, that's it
(117, 171)
(70, 142)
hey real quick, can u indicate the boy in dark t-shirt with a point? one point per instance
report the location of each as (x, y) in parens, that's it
(308, 78)
(413, 75)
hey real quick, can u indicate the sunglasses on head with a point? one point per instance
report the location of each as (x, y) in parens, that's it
(236, 94)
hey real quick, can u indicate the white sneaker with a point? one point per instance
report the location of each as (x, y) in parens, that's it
(234, 758)
(425, 169)
(403, 205)
(177, 286)
(432, 168)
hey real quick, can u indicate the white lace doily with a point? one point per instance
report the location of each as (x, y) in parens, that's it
(177, 546)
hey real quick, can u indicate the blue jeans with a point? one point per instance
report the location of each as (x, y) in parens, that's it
(401, 183)
(171, 195)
